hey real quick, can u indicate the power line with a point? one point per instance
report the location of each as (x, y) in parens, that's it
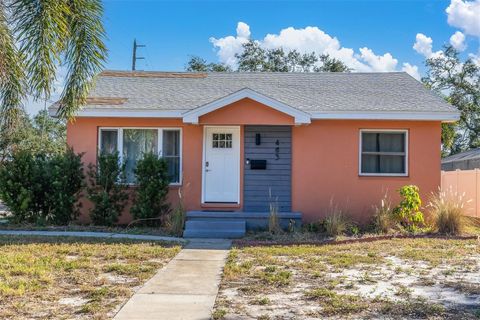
(134, 54)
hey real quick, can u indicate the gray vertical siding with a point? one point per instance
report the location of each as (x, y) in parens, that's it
(277, 176)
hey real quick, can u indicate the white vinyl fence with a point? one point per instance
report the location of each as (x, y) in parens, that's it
(467, 182)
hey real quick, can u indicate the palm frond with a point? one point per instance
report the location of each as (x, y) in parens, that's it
(41, 28)
(85, 54)
(12, 86)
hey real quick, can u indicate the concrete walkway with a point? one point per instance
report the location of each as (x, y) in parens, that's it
(90, 235)
(185, 289)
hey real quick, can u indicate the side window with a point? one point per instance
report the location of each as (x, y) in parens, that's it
(383, 153)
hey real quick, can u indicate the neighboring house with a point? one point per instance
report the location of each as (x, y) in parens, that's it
(467, 160)
(235, 141)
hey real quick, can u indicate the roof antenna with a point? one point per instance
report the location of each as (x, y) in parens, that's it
(134, 54)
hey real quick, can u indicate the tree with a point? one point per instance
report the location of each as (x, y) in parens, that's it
(254, 58)
(197, 64)
(330, 64)
(459, 83)
(49, 34)
(40, 135)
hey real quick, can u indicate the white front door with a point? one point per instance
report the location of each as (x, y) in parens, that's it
(221, 165)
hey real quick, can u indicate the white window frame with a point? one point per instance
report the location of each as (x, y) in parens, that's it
(360, 173)
(159, 144)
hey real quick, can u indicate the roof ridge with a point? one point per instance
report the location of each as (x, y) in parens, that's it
(145, 73)
(151, 74)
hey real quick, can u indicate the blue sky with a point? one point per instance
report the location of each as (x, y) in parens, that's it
(174, 30)
(367, 35)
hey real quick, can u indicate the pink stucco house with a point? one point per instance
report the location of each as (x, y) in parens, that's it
(234, 140)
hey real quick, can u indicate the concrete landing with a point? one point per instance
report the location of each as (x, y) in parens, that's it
(186, 288)
(215, 228)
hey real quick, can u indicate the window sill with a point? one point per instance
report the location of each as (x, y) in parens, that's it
(220, 205)
(172, 185)
(383, 175)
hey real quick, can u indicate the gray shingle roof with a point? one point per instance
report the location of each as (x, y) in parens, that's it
(310, 92)
(462, 156)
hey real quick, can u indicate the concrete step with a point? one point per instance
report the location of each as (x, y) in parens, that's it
(254, 220)
(227, 229)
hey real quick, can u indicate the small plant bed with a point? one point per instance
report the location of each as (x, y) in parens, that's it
(392, 279)
(72, 278)
(309, 238)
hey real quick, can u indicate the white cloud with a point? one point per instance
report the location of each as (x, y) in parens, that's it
(411, 70)
(457, 40)
(423, 45)
(309, 39)
(465, 15)
(383, 63)
(229, 46)
(243, 30)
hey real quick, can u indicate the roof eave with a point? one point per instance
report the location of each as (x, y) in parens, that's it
(300, 118)
(447, 116)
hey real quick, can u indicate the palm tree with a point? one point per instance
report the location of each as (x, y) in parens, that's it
(39, 36)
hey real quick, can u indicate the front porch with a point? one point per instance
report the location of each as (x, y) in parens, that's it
(232, 224)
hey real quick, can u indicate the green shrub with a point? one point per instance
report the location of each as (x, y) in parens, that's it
(18, 188)
(448, 212)
(313, 227)
(408, 212)
(41, 188)
(66, 183)
(150, 204)
(107, 189)
(383, 216)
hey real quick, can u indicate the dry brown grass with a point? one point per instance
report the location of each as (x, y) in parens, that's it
(336, 222)
(325, 282)
(448, 212)
(383, 216)
(71, 278)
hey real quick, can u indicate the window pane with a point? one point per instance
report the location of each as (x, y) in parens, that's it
(392, 164)
(391, 142)
(370, 164)
(171, 142)
(383, 142)
(173, 164)
(136, 142)
(108, 141)
(171, 153)
(369, 142)
(383, 164)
